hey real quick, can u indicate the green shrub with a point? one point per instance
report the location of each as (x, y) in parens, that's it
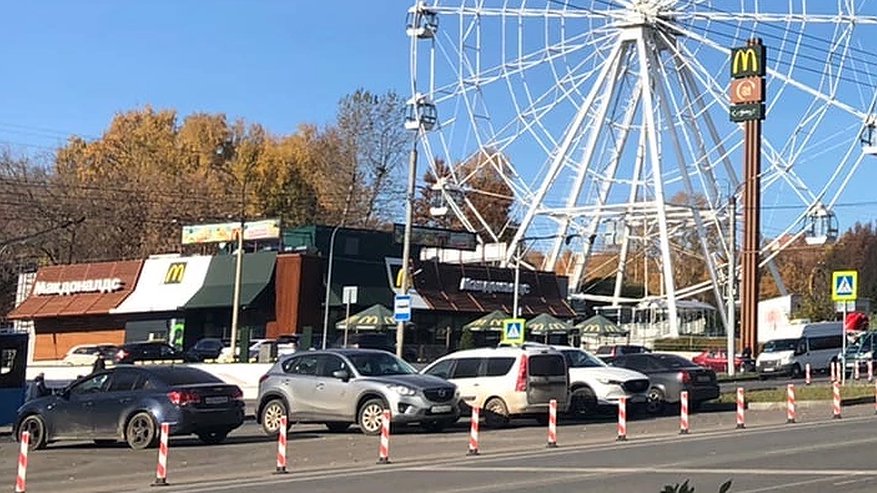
(698, 343)
(467, 341)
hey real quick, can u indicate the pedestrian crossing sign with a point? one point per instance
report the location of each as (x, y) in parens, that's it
(512, 331)
(844, 285)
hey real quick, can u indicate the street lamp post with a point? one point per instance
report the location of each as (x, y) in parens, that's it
(406, 243)
(329, 285)
(238, 270)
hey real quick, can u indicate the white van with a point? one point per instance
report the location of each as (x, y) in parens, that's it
(507, 382)
(815, 343)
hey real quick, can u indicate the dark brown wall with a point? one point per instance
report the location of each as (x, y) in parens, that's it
(299, 291)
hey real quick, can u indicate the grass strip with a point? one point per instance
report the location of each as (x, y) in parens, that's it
(802, 393)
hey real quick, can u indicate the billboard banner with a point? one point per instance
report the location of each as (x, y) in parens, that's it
(225, 232)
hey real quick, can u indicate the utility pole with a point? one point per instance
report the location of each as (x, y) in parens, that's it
(732, 281)
(406, 242)
(238, 270)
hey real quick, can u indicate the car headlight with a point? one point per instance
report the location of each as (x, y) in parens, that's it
(609, 381)
(401, 389)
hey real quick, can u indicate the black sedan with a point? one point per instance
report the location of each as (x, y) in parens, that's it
(130, 402)
(669, 376)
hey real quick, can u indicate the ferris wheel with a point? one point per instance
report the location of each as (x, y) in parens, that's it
(610, 127)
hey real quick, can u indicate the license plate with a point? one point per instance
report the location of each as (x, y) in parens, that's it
(440, 409)
(767, 369)
(703, 378)
(216, 400)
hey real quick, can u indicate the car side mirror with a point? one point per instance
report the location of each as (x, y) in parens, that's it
(342, 375)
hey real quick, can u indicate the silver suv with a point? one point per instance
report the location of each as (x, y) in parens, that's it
(339, 387)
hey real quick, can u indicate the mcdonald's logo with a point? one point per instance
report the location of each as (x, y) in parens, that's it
(175, 273)
(748, 61)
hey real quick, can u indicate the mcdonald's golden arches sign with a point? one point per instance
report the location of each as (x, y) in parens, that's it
(175, 273)
(748, 61)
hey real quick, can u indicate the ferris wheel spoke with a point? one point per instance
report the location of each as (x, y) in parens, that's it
(778, 75)
(547, 13)
(778, 18)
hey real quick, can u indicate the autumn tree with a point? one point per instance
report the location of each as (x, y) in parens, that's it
(373, 146)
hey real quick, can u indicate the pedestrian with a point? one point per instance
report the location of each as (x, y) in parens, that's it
(99, 365)
(37, 388)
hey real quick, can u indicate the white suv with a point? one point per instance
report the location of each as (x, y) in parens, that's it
(592, 383)
(507, 382)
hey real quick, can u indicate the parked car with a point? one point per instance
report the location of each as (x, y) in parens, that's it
(86, 354)
(669, 375)
(593, 383)
(148, 351)
(128, 403)
(507, 382)
(607, 353)
(717, 361)
(385, 341)
(206, 348)
(339, 387)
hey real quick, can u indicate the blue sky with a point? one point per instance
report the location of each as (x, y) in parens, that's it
(69, 66)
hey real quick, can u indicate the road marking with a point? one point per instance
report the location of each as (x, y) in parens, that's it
(786, 485)
(650, 470)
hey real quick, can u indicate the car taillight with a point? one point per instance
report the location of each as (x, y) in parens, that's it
(183, 397)
(521, 384)
(684, 377)
(237, 394)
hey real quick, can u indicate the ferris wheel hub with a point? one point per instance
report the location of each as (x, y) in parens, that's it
(650, 11)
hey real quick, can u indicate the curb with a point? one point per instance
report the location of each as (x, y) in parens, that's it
(781, 405)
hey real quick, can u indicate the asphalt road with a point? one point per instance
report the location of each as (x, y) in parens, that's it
(815, 454)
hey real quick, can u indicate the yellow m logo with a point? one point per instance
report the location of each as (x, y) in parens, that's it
(747, 62)
(175, 273)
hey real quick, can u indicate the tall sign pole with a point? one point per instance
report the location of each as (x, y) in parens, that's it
(747, 94)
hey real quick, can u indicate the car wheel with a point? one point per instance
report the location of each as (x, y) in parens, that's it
(796, 371)
(655, 401)
(337, 427)
(496, 413)
(271, 414)
(370, 416)
(36, 427)
(213, 437)
(583, 402)
(140, 433)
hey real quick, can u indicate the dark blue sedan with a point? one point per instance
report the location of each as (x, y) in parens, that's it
(130, 402)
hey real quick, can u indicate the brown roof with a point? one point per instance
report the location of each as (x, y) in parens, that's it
(439, 286)
(41, 305)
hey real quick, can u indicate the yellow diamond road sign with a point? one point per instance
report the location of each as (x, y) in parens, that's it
(513, 331)
(844, 285)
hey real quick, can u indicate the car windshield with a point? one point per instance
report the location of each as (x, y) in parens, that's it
(672, 362)
(378, 364)
(780, 345)
(580, 359)
(180, 375)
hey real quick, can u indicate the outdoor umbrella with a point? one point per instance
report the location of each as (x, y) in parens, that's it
(491, 321)
(598, 325)
(377, 317)
(546, 324)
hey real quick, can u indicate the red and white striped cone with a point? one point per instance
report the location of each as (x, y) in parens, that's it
(21, 479)
(870, 371)
(161, 469)
(683, 413)
(807, 374)
(384, 450)
(741, 409)
(552, 423)
(835, 401)
(622, 419)
(833, 371)
(473, 431)
(856, 374)
(791, 405)
(281, 446)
